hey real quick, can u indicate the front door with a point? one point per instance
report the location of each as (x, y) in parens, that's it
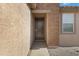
(39, 29)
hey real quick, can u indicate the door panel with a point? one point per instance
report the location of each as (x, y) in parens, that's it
(39, 28)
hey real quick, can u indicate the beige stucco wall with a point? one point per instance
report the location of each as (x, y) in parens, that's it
(32, 30)
(53, 29)
(71, 39)
(14, 29)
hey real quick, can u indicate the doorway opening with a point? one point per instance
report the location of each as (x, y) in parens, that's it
(39, 32)
(39, 29)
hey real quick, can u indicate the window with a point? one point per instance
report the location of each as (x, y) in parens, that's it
(67, 22)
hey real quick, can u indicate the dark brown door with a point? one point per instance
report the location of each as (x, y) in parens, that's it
(39, 29)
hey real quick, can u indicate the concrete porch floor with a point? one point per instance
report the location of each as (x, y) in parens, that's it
(40, 49)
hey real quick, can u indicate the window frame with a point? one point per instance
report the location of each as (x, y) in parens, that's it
(73, 24)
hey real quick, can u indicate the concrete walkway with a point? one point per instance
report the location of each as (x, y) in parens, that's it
(39, 49)
(64, 51)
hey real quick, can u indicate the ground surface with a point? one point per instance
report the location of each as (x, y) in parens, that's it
(64, 51)
(40, 49)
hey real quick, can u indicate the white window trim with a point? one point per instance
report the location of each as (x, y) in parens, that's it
(73, 23)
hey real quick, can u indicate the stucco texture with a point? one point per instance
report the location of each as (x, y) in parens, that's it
(14, 29)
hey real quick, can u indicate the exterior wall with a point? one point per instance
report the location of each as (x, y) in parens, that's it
(53, 29)
(71, 39)
(52, 22)
(15, 28)
(32, 30)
